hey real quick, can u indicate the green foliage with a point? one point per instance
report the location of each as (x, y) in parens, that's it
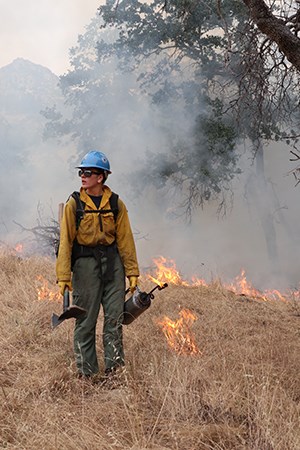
(218, 40)
(189, 27)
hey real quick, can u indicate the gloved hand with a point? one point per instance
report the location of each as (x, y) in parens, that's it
(62, 286)
(133, 281)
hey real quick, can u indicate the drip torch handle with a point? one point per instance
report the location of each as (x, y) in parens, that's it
(66, 301)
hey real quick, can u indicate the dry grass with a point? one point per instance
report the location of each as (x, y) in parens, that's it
(241, 392)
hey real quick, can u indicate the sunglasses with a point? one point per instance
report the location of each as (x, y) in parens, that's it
(87, 173)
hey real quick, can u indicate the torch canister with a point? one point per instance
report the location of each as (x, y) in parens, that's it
(136, 305)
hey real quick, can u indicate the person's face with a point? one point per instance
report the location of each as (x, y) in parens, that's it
(90, 178)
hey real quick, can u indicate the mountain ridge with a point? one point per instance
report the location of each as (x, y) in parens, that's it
(27, 87)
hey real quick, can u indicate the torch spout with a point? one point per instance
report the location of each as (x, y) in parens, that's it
(159, 287)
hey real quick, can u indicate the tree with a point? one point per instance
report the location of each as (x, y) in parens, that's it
(283, 31)
(233, 66)
(205, 61)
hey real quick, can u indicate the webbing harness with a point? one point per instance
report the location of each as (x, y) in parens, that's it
(99, 251)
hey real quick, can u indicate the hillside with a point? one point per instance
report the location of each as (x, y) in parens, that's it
(26, 88)
(240, 389)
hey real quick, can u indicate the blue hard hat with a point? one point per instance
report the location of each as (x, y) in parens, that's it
(95, 159)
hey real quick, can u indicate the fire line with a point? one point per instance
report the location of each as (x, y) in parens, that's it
(166, 271)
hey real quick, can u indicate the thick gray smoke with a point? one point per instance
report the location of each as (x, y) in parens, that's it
(38, 175)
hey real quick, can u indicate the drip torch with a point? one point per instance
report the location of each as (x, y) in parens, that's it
(138, 303)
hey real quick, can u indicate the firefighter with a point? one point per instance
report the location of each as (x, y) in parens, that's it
(100, 253)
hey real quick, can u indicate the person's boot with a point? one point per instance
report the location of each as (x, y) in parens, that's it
(114, 377)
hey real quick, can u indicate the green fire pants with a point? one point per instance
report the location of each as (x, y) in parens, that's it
(90, 291)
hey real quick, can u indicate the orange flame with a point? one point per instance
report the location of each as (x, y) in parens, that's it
(241, 286)
(275, 295)
(156, 281)
(166, 272)
(178, 333)
(197, 281)
(44, 292)
(19, 248)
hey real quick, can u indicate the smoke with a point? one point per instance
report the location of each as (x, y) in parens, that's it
(119, 119)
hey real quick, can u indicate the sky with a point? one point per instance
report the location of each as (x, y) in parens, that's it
(43, 31)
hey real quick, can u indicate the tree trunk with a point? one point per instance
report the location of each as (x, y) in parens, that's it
(265, 210)
(276, 29)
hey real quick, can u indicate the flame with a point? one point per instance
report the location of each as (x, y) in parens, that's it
(19, 247)
(275, 295)
(198, 281)
(241, 286)
(44, 292)
(178, 333)
(156, 281)
(166, 272)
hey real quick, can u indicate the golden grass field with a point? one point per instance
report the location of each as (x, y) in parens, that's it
(241, 391)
